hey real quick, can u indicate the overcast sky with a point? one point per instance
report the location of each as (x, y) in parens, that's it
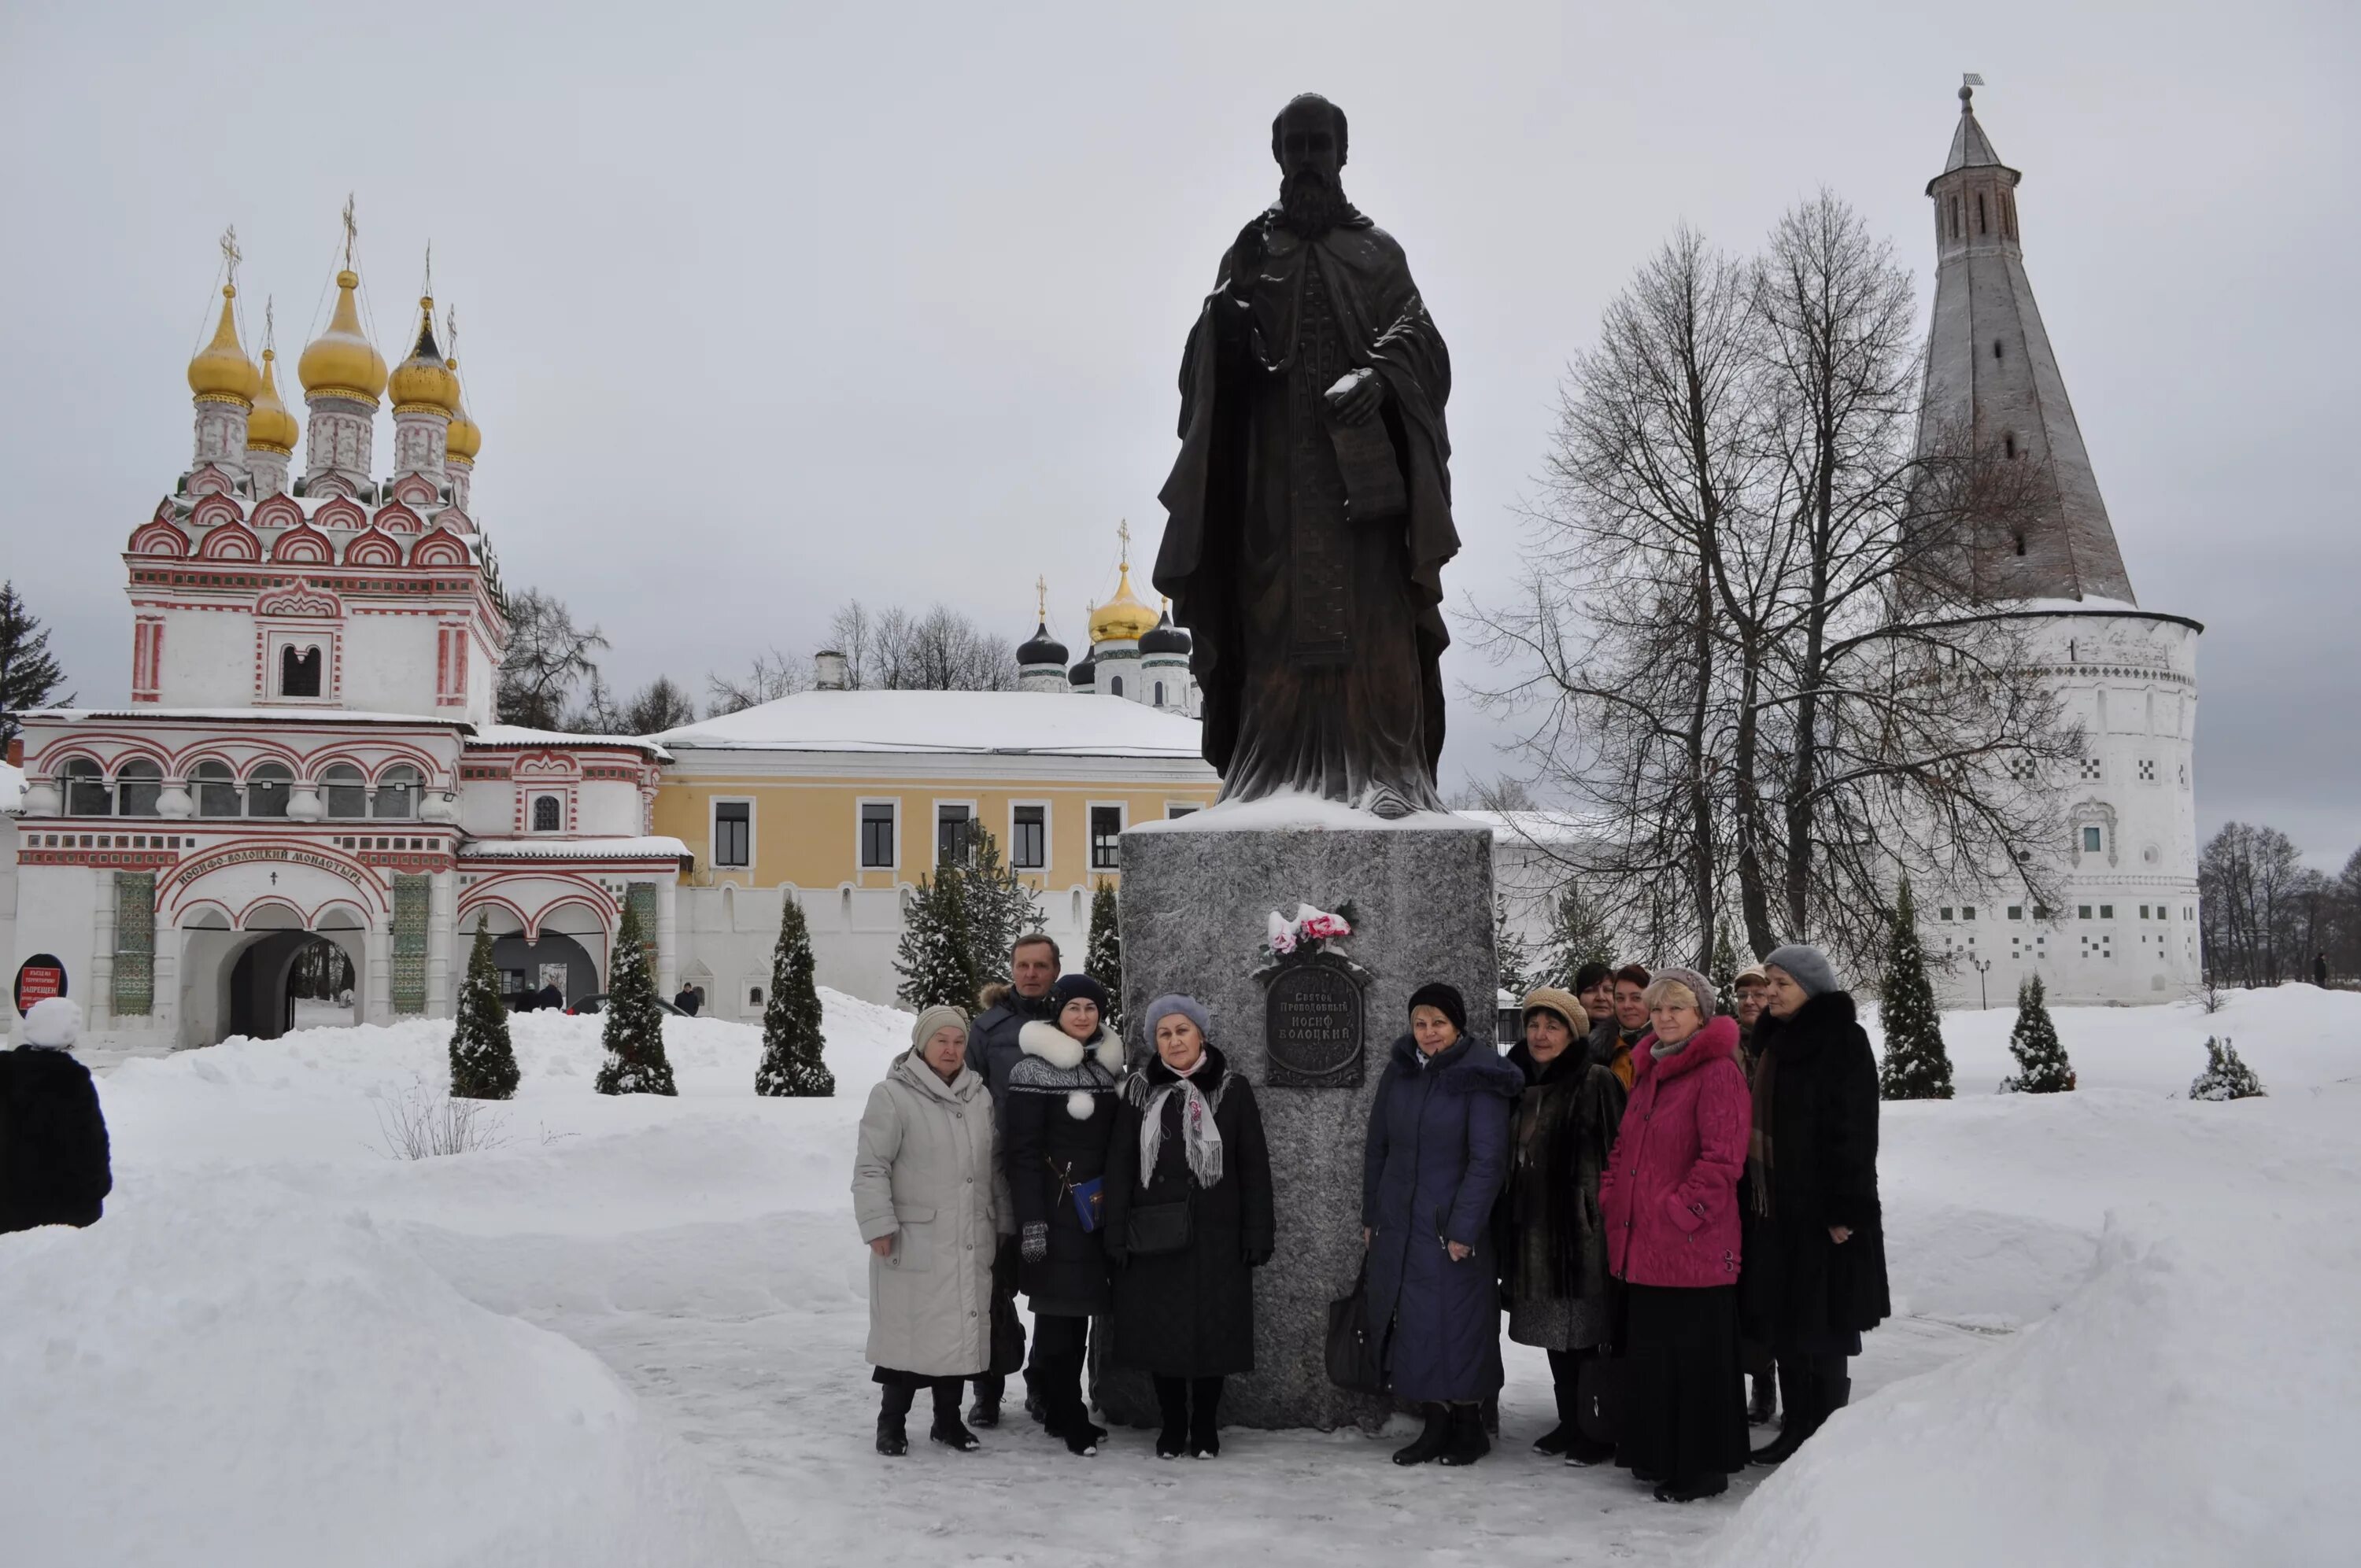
(765, 307)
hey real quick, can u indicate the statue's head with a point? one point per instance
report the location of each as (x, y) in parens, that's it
(1307, 141)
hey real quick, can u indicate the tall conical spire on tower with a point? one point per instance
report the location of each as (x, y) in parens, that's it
(1991, 374)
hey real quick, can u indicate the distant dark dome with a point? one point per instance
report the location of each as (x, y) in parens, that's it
(1085, 674)
(1041, 649)
(1166, 638)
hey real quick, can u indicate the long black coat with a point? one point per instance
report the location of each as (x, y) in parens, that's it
(1054, 1134)
(1550, 1235)
(53, 1153)
(1190, 1313)
(1800, 1287)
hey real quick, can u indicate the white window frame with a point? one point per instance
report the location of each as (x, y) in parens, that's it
(935, 827)
(713, 831)
(1049, 837)
(1174, 810)
(860, 816)
(1122, 808)
(322, 635)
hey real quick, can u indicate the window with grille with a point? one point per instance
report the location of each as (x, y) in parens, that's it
(733, 833)
(548, 813)
(1106, 837)
(877, 834)
(1028, 839)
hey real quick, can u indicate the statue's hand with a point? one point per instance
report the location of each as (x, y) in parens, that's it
(1355, 397)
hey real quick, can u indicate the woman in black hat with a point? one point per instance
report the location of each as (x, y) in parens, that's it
(1056, 1128)
(1437, 1157)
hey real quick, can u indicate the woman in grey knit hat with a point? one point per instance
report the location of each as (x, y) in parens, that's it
(930, 1201)
(1815, 1252)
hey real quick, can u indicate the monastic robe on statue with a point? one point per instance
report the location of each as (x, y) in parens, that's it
(1317, 635)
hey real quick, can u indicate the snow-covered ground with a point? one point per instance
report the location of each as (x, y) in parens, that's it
(629, 1331)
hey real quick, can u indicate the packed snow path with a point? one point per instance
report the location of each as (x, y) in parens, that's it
(262, 1257)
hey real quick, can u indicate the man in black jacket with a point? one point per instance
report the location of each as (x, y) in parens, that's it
(1033, 966)
(54, 1154)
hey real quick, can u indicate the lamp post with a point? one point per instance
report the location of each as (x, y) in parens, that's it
(1981, 966)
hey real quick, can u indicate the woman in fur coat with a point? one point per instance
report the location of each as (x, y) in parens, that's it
(1057, 1126)
(1189, 1218)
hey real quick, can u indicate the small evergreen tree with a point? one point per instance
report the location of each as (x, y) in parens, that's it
(1577, 936)
(1724, 966)
(2041, 1064)
(791, 1018)
(636, 1063)
(29, 675)
(937, 958)
(2226, 1076)
(1511, 957)
(1917, 1064)
(1102, 958)
(1000, 907)
(483, 1063)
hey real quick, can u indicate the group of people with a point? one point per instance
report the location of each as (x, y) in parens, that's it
(1665, 1197)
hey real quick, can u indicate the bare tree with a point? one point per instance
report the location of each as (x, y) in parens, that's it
(2247, 882)
(1744, 637)
(547, 655)
(942, 649)
(771, 676)
(663, 704)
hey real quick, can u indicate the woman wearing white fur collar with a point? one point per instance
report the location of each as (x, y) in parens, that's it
(1056, 1130)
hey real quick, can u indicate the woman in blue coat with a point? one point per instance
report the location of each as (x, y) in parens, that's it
(1437, 1157)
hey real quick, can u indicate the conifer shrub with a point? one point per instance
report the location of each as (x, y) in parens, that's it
(1103, 958)
(937, 958)
(2226, 1076)
(2041, 1064)
(636, 1063)
(1917, 1066)
(792, 1040)
(483, 1062)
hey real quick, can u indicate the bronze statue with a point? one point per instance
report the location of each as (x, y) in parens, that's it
(1309, 511)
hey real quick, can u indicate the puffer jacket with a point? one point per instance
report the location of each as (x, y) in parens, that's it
(1670, 1193)
(927, 1174)
(1056, 1127)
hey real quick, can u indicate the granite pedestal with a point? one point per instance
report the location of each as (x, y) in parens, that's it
(1196, 898)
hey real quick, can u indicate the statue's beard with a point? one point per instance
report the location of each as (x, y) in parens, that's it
(1311, 203)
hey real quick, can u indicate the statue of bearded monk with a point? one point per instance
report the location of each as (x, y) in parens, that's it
(1309, 511)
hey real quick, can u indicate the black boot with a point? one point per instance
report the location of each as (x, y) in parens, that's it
(1712, 1485)
(985, 1411)
(1836, 1392)
(893, 1434)
(1799, 1392)
(1467, 1443)
(1765, 1403)
(1568, 1430)
(1491, 1415)
(1061, 1396)
(948, 1428)
(1431, 1442)
(1172, 1405)
(1206, 1418)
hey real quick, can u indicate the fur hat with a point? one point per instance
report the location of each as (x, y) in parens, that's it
(932, 1019)
(1188, 1007)
(54, 1023)
(1549, 999)
(1444, 999)
(1078, 988)
(1806, 966)
(1708, 1003)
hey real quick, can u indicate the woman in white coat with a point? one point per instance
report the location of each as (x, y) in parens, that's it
(931, 1205)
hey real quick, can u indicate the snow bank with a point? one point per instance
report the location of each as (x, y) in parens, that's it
(240, 1378)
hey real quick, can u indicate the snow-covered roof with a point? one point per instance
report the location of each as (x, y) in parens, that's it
(1023, 723)
(242, 716)
(649, 848)
(518, 735)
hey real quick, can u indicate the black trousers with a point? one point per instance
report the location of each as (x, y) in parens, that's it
(1004, 1262)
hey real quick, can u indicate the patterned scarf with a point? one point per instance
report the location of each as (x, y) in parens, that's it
(1201, 1137)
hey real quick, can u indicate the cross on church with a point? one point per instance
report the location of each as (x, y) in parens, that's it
(1123, 531)
(1041, 599)
(231, 255)
(350, 231)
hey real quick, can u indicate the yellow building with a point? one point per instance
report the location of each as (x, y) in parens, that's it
(846, 799)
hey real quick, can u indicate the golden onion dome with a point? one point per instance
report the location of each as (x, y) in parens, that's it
(1123, 619)
(342, 362)
(220, 372)
(464, 440)
(424, 383)
(270, 428)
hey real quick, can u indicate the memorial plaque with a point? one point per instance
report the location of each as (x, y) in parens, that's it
(1313, 1034)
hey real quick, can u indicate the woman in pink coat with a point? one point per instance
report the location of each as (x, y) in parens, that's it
(1670, 1198)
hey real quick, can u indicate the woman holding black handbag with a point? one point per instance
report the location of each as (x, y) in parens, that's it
(1189, 1217)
